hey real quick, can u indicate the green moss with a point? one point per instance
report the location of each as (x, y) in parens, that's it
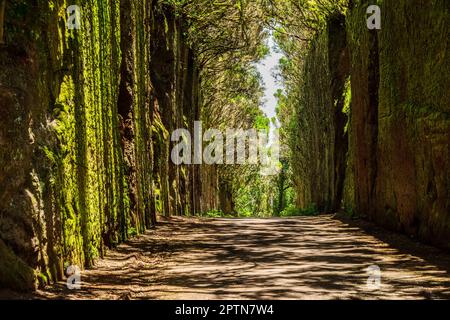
(14, 273)
(43, 279)
(94, 193)
(347, 94)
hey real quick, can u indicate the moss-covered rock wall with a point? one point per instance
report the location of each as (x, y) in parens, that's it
(86, 117)
(321, 143)
(395, 114)
(400, 117)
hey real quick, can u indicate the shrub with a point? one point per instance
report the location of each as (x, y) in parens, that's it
(291, 211)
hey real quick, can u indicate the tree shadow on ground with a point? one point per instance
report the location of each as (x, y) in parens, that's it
(300, 258)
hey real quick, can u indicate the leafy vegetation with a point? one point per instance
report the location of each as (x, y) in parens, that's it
(87, 117)
(296, 212)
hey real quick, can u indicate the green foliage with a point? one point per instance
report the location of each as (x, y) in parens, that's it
(255, 194)
(262, 123)
(349, 212)
(347, 103)
(216, 214)
(132, 232)
(295, 212)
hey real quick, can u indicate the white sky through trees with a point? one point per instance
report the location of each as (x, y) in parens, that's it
(268, 68)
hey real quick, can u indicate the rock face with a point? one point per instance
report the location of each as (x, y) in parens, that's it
(84, 136)
(321, 146)
(398, 159)
(401, 118)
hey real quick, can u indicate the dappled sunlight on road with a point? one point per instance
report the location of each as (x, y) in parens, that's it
(298, 258)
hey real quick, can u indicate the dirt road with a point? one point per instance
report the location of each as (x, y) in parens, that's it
(298, 258)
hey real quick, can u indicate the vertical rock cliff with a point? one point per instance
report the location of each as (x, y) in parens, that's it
(322, 141)
(86, 117)
(400, 117)
(386, 155)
